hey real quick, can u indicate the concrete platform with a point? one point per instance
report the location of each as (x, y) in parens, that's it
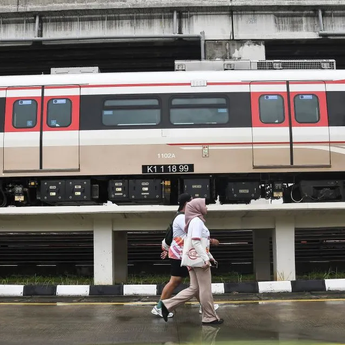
(246, 322)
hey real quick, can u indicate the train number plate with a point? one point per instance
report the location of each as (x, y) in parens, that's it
(167, 168)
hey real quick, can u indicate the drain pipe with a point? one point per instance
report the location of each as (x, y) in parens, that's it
(175, 30)
(37, 25)
(320, 21)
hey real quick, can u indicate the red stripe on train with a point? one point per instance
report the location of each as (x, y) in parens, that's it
(260, 143)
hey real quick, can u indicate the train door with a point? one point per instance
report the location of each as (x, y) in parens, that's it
(290, 124)
(60, 128)
(41, 128)
(309, 124)
(270, 120)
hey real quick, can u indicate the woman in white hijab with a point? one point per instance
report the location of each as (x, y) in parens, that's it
(200, 277)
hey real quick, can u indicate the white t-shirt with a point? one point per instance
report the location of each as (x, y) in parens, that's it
(176, 247)
(198, 230)
(178, 226)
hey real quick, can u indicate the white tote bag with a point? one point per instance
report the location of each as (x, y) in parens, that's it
(190, 256)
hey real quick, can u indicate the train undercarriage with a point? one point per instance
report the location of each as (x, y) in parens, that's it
(164, 190)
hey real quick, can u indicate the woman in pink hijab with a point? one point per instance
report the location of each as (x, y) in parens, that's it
(200, 277)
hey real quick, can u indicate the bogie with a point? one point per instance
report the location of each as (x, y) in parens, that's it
(164, 190)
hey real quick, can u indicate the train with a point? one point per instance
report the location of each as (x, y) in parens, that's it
(230, 136)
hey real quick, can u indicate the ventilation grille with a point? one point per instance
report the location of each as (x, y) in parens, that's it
(227, 65)
(296, 64)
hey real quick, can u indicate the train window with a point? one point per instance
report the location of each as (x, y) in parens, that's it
(131, 112)
(199, 110)
(307, 108)
(59, 113)
(271, 108)
(24, 113)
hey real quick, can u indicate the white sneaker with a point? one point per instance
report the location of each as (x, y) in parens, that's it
(158, 312)
(216, 306)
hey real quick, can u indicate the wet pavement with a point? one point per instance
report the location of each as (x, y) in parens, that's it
(259, 322)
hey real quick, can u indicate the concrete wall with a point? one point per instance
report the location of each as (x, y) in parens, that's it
(285, 25)
(63, 5)
(268, 25)
(221, 25)
(233, 28)
(130, 24)
(21, 27)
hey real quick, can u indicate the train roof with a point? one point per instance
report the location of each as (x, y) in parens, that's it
(172, 77)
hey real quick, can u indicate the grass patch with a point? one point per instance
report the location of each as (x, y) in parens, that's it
(323, 275)
(41, 280)
(231, 277)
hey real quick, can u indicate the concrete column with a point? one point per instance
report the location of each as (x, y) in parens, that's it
(262, 262)
(120, 257)
(103, 252)
(283, 241)
(243, 50)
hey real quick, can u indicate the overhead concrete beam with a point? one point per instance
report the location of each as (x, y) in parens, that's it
(287, 3)
(8, 6)
(216, 25)
(93, 5)
(17, 27)
(275, 25)
(221, 27)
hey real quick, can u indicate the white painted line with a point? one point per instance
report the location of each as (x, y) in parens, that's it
(217, 288)
(62, 304)
(284, 286)
(335, 284)
(142, 290)
(11, 290)
(72, 290)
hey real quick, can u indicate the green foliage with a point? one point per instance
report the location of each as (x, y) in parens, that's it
(231, 277)
(39, 280)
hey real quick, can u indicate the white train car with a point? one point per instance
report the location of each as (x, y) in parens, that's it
(235, 135)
